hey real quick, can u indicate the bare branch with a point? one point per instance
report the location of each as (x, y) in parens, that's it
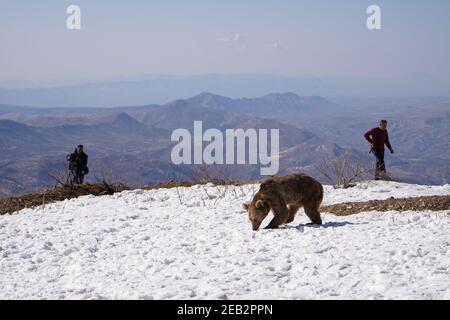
(340, 171)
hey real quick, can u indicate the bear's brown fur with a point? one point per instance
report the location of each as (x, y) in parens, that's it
(285, 196)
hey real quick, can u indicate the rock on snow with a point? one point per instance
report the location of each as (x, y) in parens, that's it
(197, 244)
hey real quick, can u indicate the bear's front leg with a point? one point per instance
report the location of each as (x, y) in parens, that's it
(281, 214)
(277, 221)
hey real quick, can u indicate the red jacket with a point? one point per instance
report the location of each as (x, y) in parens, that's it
(378, 138)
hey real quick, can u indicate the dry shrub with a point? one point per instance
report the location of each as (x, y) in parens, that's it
(341, 172)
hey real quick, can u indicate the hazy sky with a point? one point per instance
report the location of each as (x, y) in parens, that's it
(316, 37)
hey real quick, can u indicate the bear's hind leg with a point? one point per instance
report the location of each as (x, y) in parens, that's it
(313, 214)
(292, 211)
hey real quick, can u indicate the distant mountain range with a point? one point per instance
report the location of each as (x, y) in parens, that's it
(132, 144)
(139, 90)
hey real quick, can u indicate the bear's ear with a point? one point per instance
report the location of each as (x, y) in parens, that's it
(245, 206)
(260, 204)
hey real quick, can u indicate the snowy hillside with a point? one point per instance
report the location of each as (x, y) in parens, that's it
(196, 243)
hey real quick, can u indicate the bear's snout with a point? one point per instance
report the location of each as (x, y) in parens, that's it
(256, 223)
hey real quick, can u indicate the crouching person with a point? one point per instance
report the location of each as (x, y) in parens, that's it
(78, 168)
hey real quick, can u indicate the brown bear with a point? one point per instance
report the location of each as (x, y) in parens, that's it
(285, 196)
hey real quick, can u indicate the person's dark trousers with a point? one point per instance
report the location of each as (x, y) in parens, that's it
(77, 177)
(80, 178)
(380, 167)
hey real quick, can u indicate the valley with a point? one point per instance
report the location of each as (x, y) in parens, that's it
(133, 144)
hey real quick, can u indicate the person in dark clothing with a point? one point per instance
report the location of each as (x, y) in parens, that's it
(378, 137)
(78, 165)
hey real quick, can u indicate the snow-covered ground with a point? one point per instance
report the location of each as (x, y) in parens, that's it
(196, 243)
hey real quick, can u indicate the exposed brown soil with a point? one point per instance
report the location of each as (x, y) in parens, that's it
(175, 184)
(433, 203)
(10, 205)
(32, 200)
(14, 204)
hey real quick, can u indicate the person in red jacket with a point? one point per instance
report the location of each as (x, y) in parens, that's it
(378, 137)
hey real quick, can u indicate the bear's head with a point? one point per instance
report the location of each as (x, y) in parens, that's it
(257, 211)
